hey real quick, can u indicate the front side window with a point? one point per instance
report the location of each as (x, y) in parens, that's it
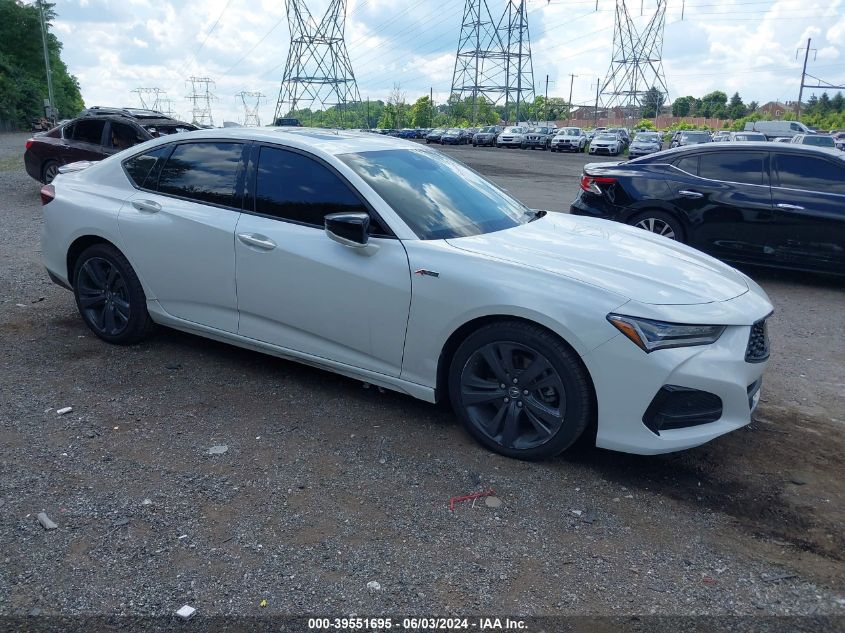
(810, 173)
(437, 197)
(205, 172)
(88, 131)
(291, 186)
(733, 166)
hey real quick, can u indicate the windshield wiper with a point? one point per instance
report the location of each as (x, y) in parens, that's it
(536, 215)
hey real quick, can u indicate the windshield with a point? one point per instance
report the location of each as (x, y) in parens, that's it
(437, 197)
(569, 131)
(694, 136)
(453, 130)
(749, 137)
(647, 138)
(488, 130)
(514, 130)
(606, 137)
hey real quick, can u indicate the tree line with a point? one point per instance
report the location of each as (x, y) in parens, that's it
(23, 78)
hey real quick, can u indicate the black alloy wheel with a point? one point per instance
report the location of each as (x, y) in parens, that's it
(110, 297)
(520, 391)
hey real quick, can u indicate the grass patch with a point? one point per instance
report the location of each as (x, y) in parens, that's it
(11, 163)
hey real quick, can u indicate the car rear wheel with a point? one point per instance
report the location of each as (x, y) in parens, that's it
(49, 171)
(110, 297)
(660, 223)
(520, 391)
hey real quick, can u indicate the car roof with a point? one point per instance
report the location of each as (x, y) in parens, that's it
(328, 141)
(746, 145)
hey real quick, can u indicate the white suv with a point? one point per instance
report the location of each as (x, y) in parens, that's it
(569, 139)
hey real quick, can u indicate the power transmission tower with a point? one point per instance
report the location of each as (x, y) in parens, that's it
(250, 102)
(493, 61)
(165, 106)
(144, 97)
(637, 62)
(201, 98)
(318, 70)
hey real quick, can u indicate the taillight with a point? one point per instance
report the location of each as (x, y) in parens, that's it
(591, 183)
(48, 194)
(29, 142)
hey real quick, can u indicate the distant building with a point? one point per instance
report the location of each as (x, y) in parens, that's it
(777, 110)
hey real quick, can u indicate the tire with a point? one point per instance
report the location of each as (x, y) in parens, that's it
(541, 424)
(49, 170)
(523, 146)
(475, 144)
(103, 271)
(661, 223)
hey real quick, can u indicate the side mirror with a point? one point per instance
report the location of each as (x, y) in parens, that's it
(349, 229)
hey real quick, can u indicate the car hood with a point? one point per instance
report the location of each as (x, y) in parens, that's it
(630, 262)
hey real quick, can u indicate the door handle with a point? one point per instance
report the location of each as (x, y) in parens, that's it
(791, 207)
(690, 194)
(146, 206)
(258, 241)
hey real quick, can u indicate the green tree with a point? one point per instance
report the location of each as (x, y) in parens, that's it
(652, 103)
(422, 112)
(736, 108)
(838, 103)
(713, 105)
(682, 106)
(752, 107)
(23, 79)
(824, 106)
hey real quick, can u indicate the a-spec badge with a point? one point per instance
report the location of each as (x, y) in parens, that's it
(429, 273)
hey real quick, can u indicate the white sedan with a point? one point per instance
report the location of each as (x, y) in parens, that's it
(396, 265)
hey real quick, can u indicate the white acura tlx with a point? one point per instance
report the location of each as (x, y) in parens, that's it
(391, 263)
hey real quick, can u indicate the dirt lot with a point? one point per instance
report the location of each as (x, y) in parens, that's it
(327, 486)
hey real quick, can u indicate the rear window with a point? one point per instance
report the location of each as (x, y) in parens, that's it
(819, 141)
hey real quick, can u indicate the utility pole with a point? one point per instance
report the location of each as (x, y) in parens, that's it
(569, 103)
(803, 76)
(52, 111)
(596, 113)
(546, 102)
(431, 106)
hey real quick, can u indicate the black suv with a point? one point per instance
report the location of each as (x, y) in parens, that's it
(763, 203)
(96, 133)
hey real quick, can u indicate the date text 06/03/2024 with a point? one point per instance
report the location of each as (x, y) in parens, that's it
(417, 624)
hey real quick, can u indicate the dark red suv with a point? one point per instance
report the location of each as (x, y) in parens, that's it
(95, 134)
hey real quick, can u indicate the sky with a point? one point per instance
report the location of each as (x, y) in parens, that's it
(751, 46)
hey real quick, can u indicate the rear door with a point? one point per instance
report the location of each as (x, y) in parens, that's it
(727, 200)
(809, 205)
(82, 140)
(179, 228)
(120, 136)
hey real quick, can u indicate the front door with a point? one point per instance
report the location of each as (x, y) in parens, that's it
(301, 290)
(809, 198)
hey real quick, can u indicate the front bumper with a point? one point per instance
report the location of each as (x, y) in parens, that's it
(510, 141)
(566, 145)
(627, 381)
(600, 149)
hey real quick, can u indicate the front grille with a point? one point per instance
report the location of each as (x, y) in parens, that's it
(676, 407)
(758, 343)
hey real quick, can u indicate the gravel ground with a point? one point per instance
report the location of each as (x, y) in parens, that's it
(326, 486)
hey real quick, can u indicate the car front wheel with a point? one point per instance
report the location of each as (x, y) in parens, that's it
(520, 391)
(110, 297)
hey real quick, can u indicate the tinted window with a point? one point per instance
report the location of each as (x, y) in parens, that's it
(88, 131)
(139, 167)
(811, 173)
(744, 167)
(206, 172)
(688, 164)
(437, 197)
(291, 186)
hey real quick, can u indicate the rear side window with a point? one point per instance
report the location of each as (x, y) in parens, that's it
(88, 131)
(205, 172)
(742, 167)
(139, 168)
(294, 187)
(810, 173)
(123, 136)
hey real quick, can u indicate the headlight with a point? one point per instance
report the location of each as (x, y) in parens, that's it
(652, 335)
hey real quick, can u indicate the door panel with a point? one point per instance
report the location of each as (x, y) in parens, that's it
(184, 252)
(299, 289)
(82, 140)
(728, 219)
(809, 205)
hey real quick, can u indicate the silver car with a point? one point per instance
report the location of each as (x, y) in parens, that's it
(539, 137)
(607, 143)
(645, 143)
(512, 136)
